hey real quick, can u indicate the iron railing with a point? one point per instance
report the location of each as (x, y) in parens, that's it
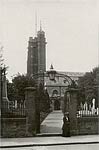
(12, 110)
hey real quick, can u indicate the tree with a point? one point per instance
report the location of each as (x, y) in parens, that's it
(16, 89)
(44, 99)
(88, 85)
(11, 91)
(47, 99)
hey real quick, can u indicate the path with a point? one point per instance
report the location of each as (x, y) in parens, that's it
(53, 123)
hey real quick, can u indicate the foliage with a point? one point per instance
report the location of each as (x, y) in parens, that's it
(44, 99)
(11, 91)
(88, 85)
(73, 85)
(16, 89)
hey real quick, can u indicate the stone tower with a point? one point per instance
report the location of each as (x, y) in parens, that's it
(36, 61)
(41, 51)
(32, 60)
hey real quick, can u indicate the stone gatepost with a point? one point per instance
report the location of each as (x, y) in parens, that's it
(71, 107)
(30, 98)
(37, 103)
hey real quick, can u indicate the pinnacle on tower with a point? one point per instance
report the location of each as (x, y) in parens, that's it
(40, 26)
(35, 24)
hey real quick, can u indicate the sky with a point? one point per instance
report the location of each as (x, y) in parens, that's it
(71, 29)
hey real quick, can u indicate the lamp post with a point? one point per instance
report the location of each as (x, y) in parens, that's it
(51, 73)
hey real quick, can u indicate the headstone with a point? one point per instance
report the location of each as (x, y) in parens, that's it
(86, 108)
(15, 104)
(93, 102)
(93, 106)
(97, 111)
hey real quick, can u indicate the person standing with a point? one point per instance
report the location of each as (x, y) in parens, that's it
(66, 125)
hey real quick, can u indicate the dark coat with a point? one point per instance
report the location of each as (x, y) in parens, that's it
(66, 127)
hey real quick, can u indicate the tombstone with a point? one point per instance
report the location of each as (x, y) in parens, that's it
(82, 107)
(93, 106)
(97, 111)
(93, 102)
(85, 108)
(15, 104)
(90, 109)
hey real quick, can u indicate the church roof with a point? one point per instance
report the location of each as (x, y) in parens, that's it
(72, 74)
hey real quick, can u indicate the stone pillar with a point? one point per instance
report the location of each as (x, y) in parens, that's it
(30, 98)
(64, 109)
(0, 89)
(0, 100)
(5, 101)
(72, 109)
(37, 103)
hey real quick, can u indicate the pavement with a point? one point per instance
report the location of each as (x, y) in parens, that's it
(48, 141)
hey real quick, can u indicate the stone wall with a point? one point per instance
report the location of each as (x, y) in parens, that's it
(13, 127)
(88, 125)
(82, 125)
(21, 126)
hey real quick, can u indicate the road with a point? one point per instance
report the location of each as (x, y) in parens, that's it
(59, 147)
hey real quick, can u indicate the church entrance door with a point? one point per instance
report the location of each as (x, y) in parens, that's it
(56, 104)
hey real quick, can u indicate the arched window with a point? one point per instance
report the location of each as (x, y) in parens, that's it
(55, 93)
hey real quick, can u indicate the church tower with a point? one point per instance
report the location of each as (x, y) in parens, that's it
(32, 59)
(36, 60)
(41, 51)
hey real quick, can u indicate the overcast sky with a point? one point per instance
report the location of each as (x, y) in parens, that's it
(71, 28)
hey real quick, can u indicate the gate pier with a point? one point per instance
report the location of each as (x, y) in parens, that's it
(32, 112)
(70, 105)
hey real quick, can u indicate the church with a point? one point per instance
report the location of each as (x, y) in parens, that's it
(36, 67)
